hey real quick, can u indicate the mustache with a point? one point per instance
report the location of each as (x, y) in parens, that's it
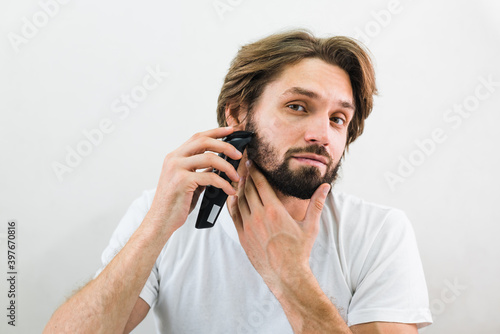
(258, 146)
(314, 149)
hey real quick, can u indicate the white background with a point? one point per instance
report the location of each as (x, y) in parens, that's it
(429, 57)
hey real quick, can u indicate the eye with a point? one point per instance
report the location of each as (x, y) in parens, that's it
(338, 120)
(296, 107)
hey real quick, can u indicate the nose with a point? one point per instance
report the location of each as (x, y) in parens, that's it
(317, 130)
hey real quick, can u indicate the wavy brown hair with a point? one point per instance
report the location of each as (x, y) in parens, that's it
(259, 63)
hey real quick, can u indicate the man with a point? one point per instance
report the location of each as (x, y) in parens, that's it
(287, 255)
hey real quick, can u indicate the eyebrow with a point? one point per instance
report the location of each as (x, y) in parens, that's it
(313, 95)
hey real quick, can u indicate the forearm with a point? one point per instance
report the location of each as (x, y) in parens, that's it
(307, 308)
(104, 304)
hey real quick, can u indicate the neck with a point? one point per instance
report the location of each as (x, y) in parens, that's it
(296, 207)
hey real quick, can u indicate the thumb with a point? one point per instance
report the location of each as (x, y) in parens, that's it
(315, 207)
(234, 212)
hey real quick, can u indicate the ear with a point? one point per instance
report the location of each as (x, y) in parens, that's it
(236, 116)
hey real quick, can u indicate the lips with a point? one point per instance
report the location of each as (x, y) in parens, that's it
(314, 158)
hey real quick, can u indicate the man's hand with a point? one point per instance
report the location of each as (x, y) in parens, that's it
(180, 184)
(279, 248)
(277, 245)
(110, 304)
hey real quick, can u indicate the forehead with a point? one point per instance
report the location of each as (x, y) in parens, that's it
(328, 82)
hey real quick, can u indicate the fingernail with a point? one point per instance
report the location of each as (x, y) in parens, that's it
(248, 163)
(326, 190)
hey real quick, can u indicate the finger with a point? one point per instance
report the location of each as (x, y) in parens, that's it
(252, 195)
(207, 141)
(206, 179)
(215, 133)
(234, 211)
(242, 168)
(200, 189)
(242, 200)
(210, 160)
(264, 189)
(204, 144)
(315, 207)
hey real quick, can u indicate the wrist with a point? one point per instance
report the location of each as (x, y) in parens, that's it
(156, 228)
(289, 282)
(307, 307)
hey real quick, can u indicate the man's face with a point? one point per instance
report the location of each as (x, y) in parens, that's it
(300, 124)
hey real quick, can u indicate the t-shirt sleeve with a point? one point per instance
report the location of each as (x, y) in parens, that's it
(391, 286)
(127, 226)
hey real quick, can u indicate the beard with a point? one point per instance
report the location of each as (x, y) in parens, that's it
(300, 183)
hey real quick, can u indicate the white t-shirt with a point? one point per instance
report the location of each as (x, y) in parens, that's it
(365, 259)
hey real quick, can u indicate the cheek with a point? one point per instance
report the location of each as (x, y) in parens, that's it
(287, 128)
(274, 129)
(337, 148)
(273, 124)
(276, 135)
